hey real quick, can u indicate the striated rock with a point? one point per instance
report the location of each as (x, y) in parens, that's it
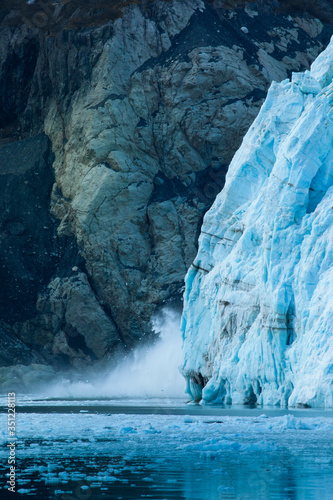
(144, 113)
(257, 321)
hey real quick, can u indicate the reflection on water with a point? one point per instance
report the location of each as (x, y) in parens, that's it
(254, 476)
(135, 454)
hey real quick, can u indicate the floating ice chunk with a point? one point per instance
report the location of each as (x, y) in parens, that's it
(225, 489)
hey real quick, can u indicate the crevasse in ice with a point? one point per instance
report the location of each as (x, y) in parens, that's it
(258, 308)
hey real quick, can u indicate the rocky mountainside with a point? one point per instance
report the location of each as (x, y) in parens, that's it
(258, 312)
(117, 128)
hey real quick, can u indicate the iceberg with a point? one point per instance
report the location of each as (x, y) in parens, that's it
(257, 323)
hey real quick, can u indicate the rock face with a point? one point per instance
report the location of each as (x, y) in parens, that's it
(258, 312)
(28, 249)
(132, 123)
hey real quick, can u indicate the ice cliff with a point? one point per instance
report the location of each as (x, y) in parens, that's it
(117, 125)
(258, 314)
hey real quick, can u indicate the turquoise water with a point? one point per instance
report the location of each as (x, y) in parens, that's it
(131, 450)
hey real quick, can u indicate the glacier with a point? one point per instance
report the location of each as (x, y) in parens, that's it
(258, 305)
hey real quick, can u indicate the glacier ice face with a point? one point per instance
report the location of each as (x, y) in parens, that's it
(258, 314)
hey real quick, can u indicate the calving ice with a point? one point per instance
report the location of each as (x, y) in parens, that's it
(258, 316)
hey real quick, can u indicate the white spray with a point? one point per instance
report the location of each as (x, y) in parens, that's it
(152, 372)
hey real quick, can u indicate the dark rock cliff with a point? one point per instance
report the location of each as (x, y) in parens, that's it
(117, 127)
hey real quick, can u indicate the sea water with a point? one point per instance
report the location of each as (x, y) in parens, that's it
(166, 449)
(131, 434)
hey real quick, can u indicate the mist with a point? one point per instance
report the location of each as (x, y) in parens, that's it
(150, 372)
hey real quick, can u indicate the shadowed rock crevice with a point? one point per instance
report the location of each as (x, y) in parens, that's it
(29, 248)
(18, 67)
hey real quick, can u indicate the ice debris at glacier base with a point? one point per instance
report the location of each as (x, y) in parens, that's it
(238, 456)
(258, 313)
